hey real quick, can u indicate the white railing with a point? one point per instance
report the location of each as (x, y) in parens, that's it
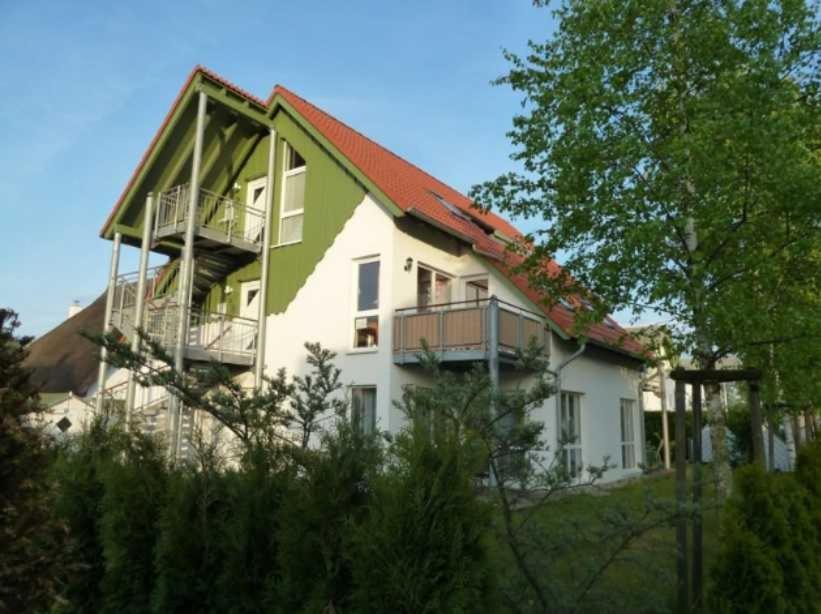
(227, 219)
(220, 334)
(123, 309)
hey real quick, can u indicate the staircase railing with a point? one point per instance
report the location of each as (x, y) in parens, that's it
(229, 220)
(113, 402)
(220, 335)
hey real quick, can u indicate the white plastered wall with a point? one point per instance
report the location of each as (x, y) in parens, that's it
(323, 310)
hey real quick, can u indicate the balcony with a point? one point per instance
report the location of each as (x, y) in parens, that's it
(220, 222)
(462, 332)
(219, 337)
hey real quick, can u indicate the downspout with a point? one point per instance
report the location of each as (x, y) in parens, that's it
(259, 365)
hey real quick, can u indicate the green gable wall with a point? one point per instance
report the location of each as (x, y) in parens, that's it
(331, 195)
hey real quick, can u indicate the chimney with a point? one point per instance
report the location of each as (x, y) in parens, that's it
(74, 309)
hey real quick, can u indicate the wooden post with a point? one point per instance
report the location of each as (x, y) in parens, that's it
(698, 540)
(683, 606)
(755, 424)
(665, 429)
(771, 437)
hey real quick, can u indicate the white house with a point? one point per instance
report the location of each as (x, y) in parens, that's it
(284, 225)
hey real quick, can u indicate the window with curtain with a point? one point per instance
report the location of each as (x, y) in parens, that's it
(363, 408)
(628, 438)
(570, 432)
(366, 318)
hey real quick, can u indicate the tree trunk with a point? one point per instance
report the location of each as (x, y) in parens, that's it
(811, 430)
(718, 439)
(789, 440)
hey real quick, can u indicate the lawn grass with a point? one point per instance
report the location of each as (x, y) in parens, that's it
(577, 534)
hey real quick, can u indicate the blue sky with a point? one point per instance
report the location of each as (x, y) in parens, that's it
(86, 85)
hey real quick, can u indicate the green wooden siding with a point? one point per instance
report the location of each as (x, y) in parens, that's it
(331, 195)
(235, 151)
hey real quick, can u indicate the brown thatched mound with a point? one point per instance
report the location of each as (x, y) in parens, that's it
(63, 360)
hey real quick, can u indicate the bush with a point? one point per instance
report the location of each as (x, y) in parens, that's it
(768, 546)
(422, 546)
(77, 471)
(134, 485)
(188, 557)
(319, 510)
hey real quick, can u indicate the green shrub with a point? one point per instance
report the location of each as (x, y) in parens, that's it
(768, 545)
(77, 471)
(188, 557)
(134, 486)
(422, 546)
(248, 543)
(320, 508)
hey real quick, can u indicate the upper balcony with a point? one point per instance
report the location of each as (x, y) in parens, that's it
(464, 331)
(218, 337)
(219, 223)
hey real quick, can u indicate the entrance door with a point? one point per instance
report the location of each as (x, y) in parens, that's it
(255, 201)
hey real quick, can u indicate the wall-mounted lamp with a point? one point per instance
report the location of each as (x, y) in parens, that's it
(236, 187)
(408, 264)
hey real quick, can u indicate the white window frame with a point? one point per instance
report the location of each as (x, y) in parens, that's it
(575, 448)
(369, 427)
(367, 313)
(286, 147)
(434, 272)
(627, 407)
(472, 280)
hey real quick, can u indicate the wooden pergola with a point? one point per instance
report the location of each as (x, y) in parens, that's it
(697, 378)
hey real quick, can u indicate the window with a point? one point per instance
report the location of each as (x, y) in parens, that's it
(432, 287)
(570, 432)
(366, 320)
(293, 197)
(363, 408)
(628, 439)
(476, 290)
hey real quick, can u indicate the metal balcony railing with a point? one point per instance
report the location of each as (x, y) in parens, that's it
(461, 331)
(218, 218)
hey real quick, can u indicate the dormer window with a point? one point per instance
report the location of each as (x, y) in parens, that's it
(293, 196)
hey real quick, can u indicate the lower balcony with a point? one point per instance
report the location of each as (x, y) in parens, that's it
(465, 331)
(211, 337)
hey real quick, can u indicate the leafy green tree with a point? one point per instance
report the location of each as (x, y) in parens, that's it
(669, 150)
(33, 561)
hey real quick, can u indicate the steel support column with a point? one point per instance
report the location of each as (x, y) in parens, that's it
(109, 305)
(259, 363)
(139, 306)
(187, 266)
(493, 342)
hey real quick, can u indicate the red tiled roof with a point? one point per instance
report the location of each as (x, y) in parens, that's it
(415, 192)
